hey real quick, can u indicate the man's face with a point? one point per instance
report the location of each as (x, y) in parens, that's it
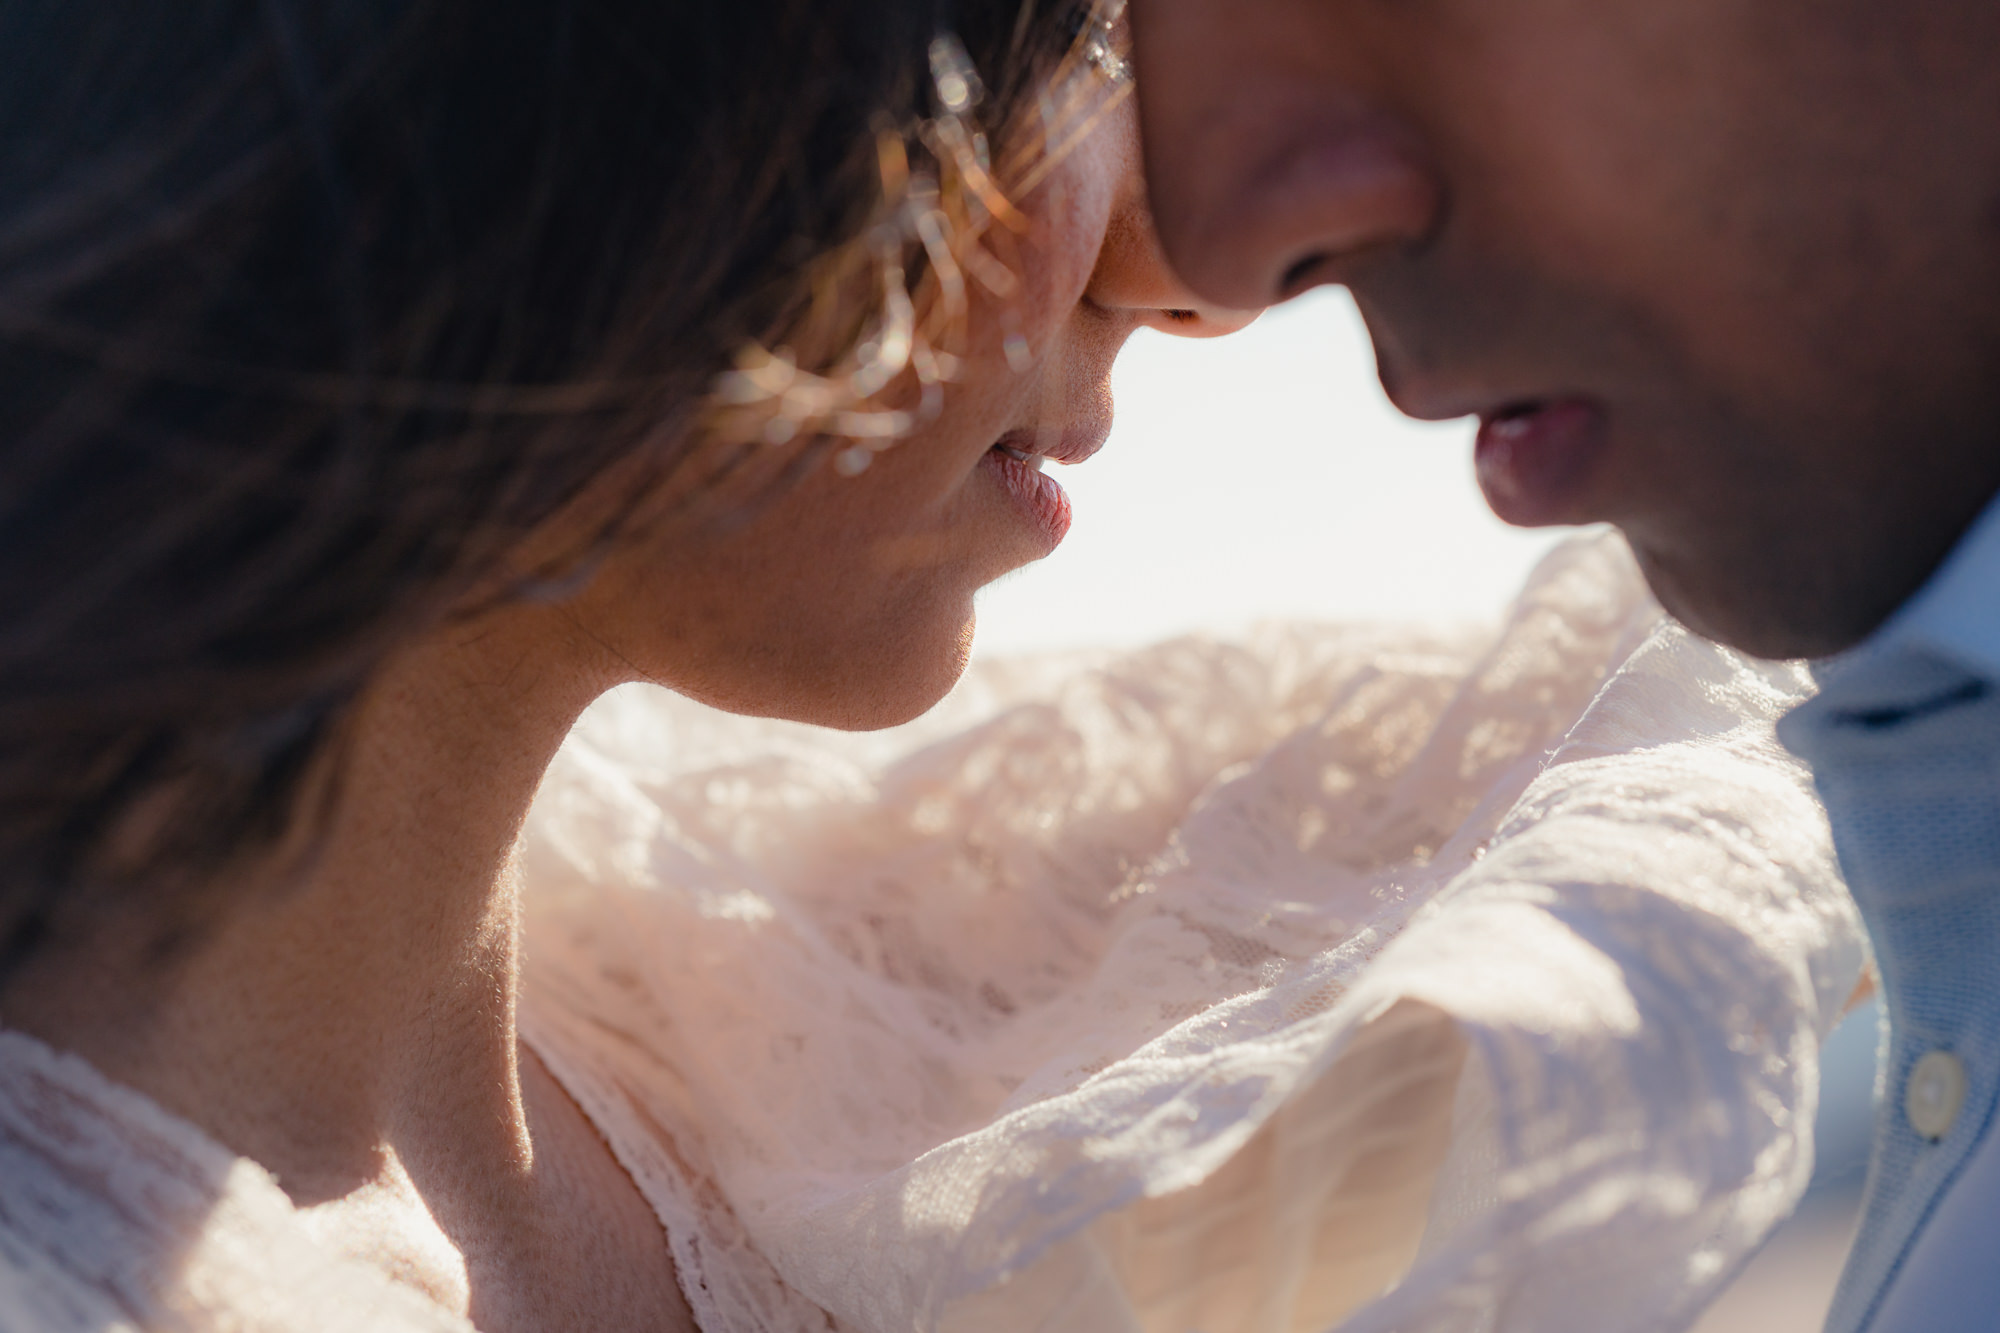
(1723, 272)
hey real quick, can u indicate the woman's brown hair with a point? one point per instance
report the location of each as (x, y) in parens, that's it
(311, 309)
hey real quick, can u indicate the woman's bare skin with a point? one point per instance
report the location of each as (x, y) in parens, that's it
(350, 1024)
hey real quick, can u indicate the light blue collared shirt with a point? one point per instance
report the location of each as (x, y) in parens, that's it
(1957, 613)
(1904, 740)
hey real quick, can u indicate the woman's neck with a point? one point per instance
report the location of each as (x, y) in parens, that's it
(353, 1023)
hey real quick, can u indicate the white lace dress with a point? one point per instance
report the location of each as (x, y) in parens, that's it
(1333, 975)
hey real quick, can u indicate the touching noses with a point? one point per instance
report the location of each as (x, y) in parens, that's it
(1133, 278)
(1268, 171)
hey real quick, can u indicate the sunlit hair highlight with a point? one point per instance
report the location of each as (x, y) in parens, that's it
(890, 311)
(325, 323)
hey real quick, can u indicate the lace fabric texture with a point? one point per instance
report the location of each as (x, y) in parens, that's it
(116, 1216)
(1416, 982)
(1420, 983)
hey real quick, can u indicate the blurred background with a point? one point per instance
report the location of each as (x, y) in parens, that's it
(1262, 475)
(1265, 475)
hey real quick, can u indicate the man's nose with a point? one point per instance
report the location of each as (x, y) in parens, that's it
(1269, 170)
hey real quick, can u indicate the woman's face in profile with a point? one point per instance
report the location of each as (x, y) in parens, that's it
(848, 601)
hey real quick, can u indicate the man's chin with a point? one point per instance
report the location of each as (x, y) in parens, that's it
(1752, 615)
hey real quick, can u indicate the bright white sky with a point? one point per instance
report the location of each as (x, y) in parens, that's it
(1262, 475)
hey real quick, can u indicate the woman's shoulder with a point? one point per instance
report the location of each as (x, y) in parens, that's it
(115, 1213)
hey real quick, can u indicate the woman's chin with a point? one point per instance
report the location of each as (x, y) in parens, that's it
(868, 686)
(906, 687)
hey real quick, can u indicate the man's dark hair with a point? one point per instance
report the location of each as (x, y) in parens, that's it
(310, 309)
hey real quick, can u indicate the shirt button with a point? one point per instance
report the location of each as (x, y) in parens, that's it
(1934, 1094)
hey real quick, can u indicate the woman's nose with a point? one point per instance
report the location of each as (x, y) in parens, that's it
(1133, 278)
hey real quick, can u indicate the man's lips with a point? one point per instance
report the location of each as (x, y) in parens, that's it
(1535, 458)
(1537, 455)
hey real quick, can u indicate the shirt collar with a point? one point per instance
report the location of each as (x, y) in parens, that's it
(1956, 614)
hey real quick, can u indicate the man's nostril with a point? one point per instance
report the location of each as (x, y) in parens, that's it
(1295, 277)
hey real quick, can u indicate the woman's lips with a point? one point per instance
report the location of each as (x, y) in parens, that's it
(1017, 458)
(1534, 459)
(1033, 491)
(1067, 445)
